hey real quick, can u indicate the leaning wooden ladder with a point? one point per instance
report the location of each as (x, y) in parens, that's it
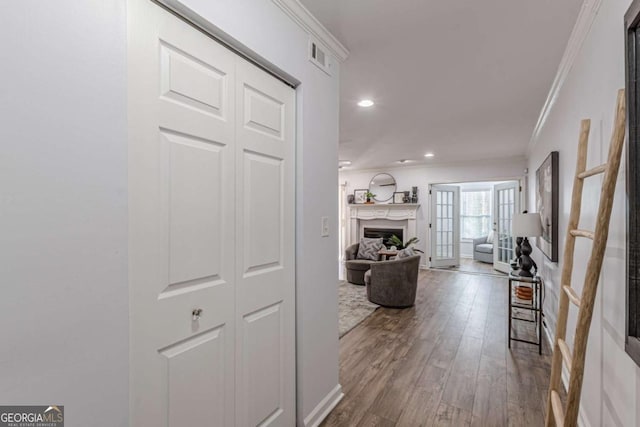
(556, 414)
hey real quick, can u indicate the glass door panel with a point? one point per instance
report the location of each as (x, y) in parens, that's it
(507, 202)
(445, 221)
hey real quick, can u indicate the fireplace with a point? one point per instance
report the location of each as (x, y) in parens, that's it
(398, 219)
(385, 233)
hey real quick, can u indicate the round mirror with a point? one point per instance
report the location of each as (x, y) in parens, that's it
(383, 186)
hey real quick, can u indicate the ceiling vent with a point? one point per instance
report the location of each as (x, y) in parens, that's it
(318, 56)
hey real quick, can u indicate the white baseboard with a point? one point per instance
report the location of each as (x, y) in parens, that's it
(325, 406)
(583, 421)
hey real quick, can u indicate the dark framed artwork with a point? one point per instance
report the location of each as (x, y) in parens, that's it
(547, 205)
(632, 28)
(360, 196)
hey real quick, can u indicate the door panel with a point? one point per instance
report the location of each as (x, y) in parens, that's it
(204, 387)
(506, 202)
(190, 81)
(445, 226)
(263, 220)
(263, 334)
(182, 222)
(262, 113)
(265, 231)
(194, 169)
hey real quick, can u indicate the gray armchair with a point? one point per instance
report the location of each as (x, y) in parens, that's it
(393, 283)
(355, 267)
(482, 251)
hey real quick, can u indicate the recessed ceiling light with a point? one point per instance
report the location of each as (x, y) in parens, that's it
(365, 103)
(429, 155)
(344, 162)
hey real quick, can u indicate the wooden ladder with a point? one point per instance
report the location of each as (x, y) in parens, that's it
(556, 414)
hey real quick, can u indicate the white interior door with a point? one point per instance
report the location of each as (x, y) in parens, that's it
(211, 216)
(506, 203)
(445, 226)
(265, 339)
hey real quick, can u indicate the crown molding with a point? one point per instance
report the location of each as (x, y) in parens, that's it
(581, 29)
(430, 164)
(305, 20)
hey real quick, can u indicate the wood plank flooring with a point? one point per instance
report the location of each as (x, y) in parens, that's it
(469, 265)
(443, 362)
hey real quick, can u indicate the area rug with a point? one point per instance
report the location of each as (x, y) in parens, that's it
(353, 306)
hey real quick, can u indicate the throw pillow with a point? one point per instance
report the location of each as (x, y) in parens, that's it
(490, 237)
(369, 248)
(405, 253)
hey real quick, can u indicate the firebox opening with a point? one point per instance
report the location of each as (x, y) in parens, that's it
(385, 233)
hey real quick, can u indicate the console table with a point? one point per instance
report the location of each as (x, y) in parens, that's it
(534, 306)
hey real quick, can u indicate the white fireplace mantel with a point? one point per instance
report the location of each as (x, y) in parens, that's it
(360, 213)
(394, 212)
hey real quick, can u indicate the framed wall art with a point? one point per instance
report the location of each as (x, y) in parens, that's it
(632, 333)
(360, 195)
(547, 205)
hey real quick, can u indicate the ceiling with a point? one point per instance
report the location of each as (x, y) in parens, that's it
(465, 80)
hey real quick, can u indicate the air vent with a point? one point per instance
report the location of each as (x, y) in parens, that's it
(318, 55)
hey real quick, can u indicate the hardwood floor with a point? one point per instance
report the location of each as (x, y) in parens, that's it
(469, 265)
(443, 362)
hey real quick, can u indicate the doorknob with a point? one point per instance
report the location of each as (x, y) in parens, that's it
(196, 313)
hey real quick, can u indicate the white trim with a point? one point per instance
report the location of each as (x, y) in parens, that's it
(583, 421)
(390, 211)
(325, 406)
(301, 16)
(579, 33)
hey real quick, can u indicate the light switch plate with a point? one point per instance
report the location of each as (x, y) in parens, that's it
(325, 226)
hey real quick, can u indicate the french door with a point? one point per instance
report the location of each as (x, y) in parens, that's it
(211, 226)
(506, 203)
(445, 226)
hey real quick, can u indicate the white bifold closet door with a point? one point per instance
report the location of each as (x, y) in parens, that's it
(211, 202)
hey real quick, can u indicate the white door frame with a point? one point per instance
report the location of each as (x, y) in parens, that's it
(522, 180)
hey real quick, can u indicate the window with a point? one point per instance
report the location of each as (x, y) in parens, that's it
(475, 213)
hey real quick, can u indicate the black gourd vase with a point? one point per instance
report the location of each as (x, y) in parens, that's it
(526, 262)
(515, 264)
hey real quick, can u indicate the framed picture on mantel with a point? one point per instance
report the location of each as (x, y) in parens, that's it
(360, 196)
(398, 197)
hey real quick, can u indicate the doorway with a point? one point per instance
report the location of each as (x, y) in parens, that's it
(470, 225)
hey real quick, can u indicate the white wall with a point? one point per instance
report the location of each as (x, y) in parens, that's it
(611, 388)
(63, 209)
(421, 176)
